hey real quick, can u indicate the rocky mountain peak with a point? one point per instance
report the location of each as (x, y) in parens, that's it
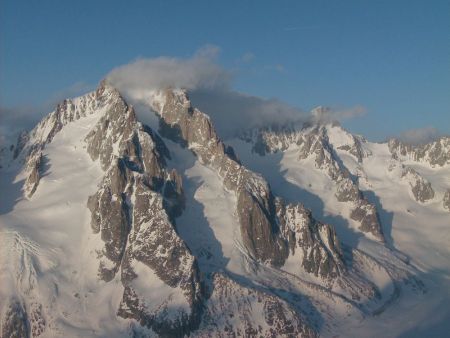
(321, 143)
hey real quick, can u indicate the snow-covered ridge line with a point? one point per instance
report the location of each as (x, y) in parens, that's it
(30, 146)
(311, 245)
(436, 153)
(319, 142)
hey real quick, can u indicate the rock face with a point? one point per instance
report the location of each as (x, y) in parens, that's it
(15, 322)
(133, 211)
(435, 153)
(446, 200)
(320, 248)
(34, 167)
(256, 212)
(270, 230)
(420, 187)
(235, 310)
(314, 142)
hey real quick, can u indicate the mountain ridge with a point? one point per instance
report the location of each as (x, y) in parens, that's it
(138, 214)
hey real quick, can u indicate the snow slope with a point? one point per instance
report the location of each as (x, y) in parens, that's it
(47, 241)
(417, 234)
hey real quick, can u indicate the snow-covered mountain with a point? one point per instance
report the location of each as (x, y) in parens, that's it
(125, 214)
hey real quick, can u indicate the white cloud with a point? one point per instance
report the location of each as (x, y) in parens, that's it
(13, 120)
(209, 86)
(199, 71)
(420, 135)
(210, 89)
(232, 111)
(327, 115)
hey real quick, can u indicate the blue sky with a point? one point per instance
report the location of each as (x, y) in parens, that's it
(390, 57)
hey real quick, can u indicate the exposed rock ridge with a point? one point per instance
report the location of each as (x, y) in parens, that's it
(268, 230)
(320, 248)
(420, 187)
(133, 211)
(15, 322)
(31, 145)
(314, 141)
(256, 211)
(436, 153)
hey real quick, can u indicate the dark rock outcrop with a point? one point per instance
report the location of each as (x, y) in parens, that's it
(34, 168)
(321, 250)
(154, 242)
(420, 187)
(15, 321)
(446, 200)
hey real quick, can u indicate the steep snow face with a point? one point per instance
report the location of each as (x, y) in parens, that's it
(128, 192)
(419, 229)
(310, 150)
(48, 263)
(409, 192)
(410, 218)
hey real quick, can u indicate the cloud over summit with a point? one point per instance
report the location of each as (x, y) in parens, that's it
(196, 72)
(209, 87)
(420, 135)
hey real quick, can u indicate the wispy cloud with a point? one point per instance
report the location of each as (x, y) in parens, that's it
(233, 112)
(420, 135)
(210, 88)
(327, 114)
(199, 71)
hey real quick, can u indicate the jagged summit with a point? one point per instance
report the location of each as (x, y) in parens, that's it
(144, 222)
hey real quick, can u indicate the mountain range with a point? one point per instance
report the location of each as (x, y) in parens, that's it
(128, 215)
